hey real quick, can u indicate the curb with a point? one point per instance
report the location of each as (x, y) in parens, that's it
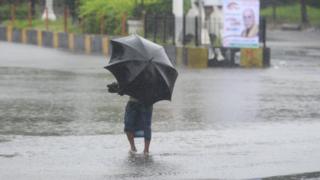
(191, 57)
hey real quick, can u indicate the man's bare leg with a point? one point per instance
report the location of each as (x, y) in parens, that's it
(146, 146)
(130, 137)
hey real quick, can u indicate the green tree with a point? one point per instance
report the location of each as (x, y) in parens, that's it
(159, 6)
(106, 14)
(105, 8)
(152, 7)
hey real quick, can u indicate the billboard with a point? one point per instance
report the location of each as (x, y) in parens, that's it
(241, 23)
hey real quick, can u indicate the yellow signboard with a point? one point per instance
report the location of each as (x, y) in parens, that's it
(251, 57)
(197, 57)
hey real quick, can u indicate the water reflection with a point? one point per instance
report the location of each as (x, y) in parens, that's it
(142, 166)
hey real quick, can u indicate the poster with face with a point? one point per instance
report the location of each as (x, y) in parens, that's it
(241, 23)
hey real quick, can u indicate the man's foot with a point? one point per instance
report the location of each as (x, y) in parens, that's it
(146, 153)
(132, 151)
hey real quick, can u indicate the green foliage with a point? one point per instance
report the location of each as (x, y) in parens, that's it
(92, 14)
(137, 12)
(111, 10)
(186, 6)
(5, 11)
(291, 14)
(105, 7)
(152, 7)
(21, 11)
(268, 3)
(314, 3)
(159, 7)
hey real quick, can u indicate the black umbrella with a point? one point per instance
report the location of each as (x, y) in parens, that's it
(142, 69)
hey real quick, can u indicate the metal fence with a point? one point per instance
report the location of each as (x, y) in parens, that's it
(161, 29)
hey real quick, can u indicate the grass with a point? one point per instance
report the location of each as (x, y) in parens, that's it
(291, 14)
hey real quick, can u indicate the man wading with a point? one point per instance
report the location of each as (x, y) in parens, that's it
(137, 120)
(145, 73)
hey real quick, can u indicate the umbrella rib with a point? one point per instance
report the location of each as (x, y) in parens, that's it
(123, 61)
(160, 49)
(144, 47)
(118, 63)
(165, 79)
(127, 45)
(132, 79)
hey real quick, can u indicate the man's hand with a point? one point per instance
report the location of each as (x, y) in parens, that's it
(113, 87)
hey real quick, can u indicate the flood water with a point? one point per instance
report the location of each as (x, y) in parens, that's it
(222, 122)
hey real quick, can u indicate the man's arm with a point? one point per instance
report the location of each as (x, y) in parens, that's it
(114, 88)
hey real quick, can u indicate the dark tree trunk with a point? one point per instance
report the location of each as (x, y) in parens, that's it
(72, 9)
(33, 7)
(274, 11)
(304, 15)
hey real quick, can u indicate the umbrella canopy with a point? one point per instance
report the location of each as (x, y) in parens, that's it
(142, 69)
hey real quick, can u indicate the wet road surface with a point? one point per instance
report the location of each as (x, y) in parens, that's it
(57, 120)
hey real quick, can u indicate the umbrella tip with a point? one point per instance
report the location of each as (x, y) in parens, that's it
(136, 35)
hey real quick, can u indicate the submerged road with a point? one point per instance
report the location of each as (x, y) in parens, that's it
(57, 120)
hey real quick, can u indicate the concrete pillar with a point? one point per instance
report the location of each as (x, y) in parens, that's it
(47, 39)
(177, 8)
(197, 57)
(87, 44)
(266, 57)
(71, 41)
(55, 40)
(32, 37)
(49, 6)
(251, 57)
(16, 35)
(96, 44)
(63, 40)
(24, 37)
(39, 38)
(9, 33)
(3, 33)
(179, 56)
(105, 46)
(79, 45)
